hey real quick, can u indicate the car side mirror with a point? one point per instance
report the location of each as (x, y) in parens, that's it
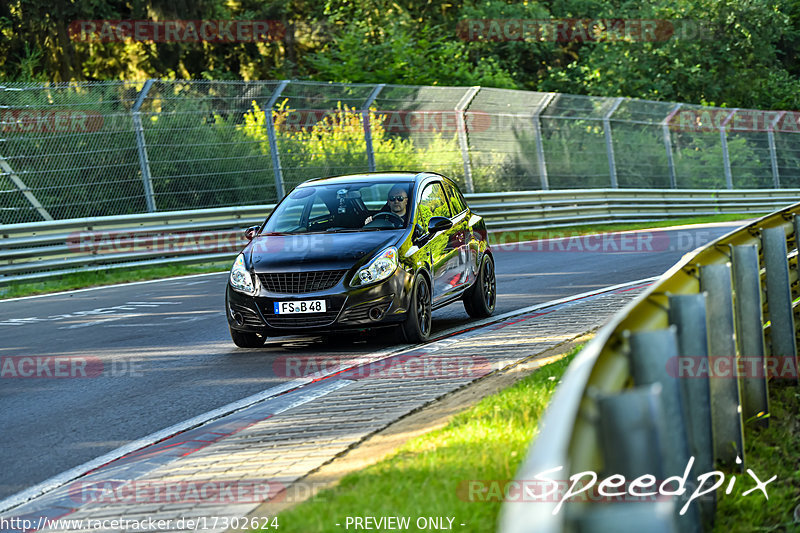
(250, 232)
(437, 224)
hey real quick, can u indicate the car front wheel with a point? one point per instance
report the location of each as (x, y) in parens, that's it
(480, 299)
(247, 339)
(417, 327)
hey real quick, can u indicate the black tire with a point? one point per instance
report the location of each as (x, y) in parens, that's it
(247, 339)
(417, 326)
(480, 299)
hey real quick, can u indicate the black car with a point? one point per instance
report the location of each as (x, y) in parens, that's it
(359, 252)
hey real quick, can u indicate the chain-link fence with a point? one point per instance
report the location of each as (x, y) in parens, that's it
(110, 148)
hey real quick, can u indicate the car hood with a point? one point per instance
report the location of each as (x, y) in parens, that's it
(317, 251)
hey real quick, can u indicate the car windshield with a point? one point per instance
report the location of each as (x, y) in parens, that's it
(342, 207)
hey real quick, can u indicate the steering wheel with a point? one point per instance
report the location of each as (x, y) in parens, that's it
(391, 217)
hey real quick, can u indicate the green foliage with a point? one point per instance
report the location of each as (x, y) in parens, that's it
(735, 53)
(334, 144)
(405, 55)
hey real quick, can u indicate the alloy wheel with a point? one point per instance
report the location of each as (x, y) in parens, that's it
(423, 308)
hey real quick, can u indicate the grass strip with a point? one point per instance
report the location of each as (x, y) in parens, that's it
(771, 451)
(429, 475)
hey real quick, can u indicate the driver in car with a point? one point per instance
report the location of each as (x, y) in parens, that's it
(397, 203)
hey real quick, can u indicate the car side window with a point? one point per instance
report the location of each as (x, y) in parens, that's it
(457, 201)
(432, 203)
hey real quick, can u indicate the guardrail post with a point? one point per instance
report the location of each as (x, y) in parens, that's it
(144, 162)
(632, 432)
(651, 356)
(273, 141)
(726, 416)
(461, 122)
(773, 152)
(783, 342)
(726, 160)
(367, 126)
(750, 332)
(612, 164)
(635, 441)
(687, 313)
(651, 353)
(673, 177)
(537, 126)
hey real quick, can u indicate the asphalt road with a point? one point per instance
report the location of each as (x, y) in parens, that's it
(157, 353)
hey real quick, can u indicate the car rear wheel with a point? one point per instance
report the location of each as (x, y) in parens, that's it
(480, 299)
(417, 327)
(247, 339)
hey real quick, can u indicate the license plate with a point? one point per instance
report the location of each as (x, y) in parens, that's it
(302, 306)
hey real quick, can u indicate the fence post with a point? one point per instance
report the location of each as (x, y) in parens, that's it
(726, 160)
(462, 134)
(367, 127)
(773, 152)
(612, 165)
(144, 162)
(537, 126)
(273, 141)
(673, 178)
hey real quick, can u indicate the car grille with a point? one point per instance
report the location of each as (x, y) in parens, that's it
(299, 321)
(301, 282)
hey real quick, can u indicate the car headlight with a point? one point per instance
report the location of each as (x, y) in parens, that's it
(240, 278)
(381, 267)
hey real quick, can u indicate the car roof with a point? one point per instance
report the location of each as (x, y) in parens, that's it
(377, 177)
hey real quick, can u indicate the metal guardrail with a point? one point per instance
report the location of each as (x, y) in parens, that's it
(39, 250)
(638, 399)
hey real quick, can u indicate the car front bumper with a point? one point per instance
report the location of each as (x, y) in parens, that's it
(381, 304)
